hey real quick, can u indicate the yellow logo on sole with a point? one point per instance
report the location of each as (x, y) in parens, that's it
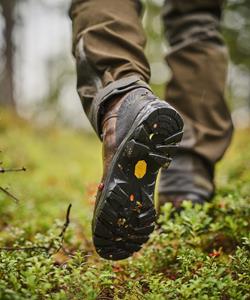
(140, 169)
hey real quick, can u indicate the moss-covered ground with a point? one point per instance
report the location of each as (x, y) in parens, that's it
(203, 253)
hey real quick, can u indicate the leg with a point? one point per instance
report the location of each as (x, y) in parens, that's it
(198, 61)
(134, 125)
(108, 44)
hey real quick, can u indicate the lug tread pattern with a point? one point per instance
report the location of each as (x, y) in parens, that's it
(127, 216)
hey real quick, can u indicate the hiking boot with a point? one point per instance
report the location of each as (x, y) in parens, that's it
(139, 134)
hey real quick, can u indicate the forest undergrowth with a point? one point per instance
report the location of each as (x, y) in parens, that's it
(46, 250)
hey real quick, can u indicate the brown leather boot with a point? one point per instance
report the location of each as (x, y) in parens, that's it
(139, 135)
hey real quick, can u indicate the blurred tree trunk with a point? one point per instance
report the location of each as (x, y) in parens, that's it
(7, 76)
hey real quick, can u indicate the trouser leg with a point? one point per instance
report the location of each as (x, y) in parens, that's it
(198, 60)
(108, 44)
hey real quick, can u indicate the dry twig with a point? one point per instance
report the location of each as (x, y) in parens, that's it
(4, 190)
(9, 194)
(3, 170)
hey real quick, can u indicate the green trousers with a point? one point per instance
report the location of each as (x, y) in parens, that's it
(108, 44)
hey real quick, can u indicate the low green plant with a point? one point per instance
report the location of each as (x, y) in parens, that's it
(201, 253)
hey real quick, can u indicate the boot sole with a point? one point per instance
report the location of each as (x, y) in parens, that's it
(125, 215)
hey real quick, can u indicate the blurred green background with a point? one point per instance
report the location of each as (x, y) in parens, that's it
(37, 72)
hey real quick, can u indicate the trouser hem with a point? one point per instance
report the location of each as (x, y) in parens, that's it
(103, 96)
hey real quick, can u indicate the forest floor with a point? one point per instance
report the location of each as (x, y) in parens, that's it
(202, 253)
